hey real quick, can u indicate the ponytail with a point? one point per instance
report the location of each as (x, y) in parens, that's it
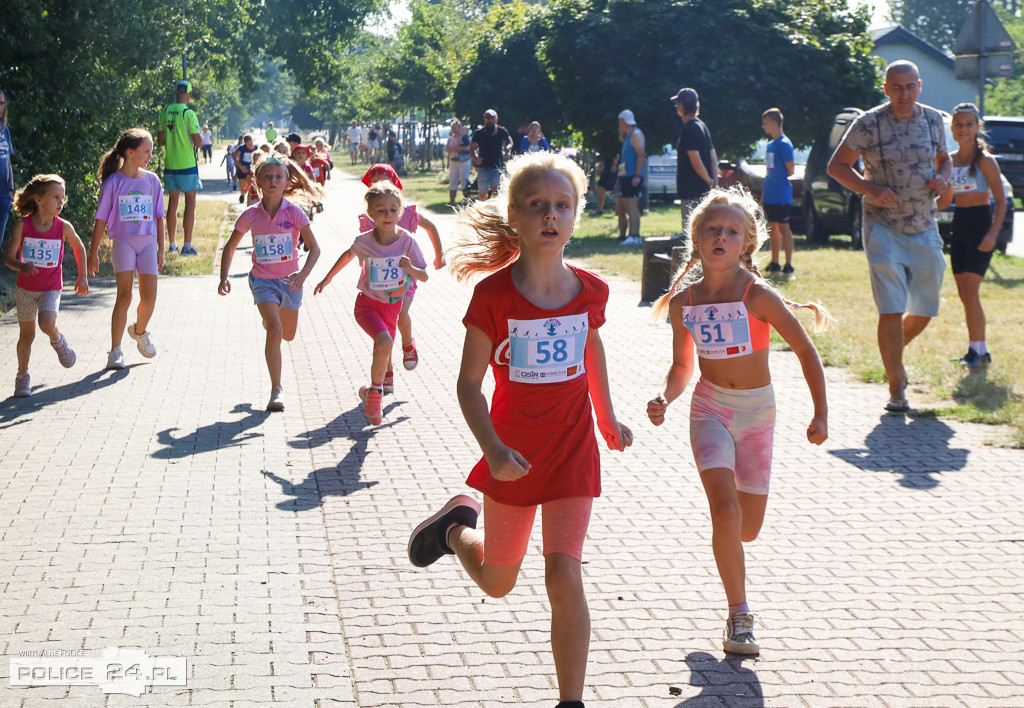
(111, 162)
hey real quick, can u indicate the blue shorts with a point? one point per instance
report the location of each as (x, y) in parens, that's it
(182, 180)
(488, 178)
(906, 270)
(275, 290)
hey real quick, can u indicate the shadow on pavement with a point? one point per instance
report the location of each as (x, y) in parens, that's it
(12, 408)
(215, 436)
(342, 479)
(723, 682)
(915, 448)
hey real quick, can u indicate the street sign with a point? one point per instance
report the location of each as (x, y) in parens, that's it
(995, 65)
(983, 33)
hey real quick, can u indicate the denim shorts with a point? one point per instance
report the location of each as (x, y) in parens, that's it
(275, 290)
(488, 178)
(182, 180)
(906, 269)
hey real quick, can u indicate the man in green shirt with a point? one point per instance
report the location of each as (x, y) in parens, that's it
(178, 134)
(271, 133)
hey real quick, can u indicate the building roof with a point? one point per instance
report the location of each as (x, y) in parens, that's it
(898, 34)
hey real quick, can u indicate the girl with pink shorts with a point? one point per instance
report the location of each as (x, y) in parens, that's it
(726, 311)
(390, 261)
(410, 220)
(131, 211)
(535, 322)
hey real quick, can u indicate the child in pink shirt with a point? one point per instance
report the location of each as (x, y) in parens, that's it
(275, 279)
(390, 261)
(410, 220)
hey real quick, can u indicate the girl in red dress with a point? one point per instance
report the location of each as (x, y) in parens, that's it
(535, 321)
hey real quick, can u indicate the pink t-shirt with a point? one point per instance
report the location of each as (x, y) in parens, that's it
(275, 252)
(131, 206)
(409, 220)
(381, 278)
(44, 250)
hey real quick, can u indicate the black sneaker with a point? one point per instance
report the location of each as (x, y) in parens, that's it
(774, 267)
(788, 270)
(429, 540)
(972, 360)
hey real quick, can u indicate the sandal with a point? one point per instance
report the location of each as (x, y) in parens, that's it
(897, 404)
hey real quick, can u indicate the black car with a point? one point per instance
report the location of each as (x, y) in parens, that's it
(830, 208)
(1005, 137)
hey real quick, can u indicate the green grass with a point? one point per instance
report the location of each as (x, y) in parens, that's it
(837, 276)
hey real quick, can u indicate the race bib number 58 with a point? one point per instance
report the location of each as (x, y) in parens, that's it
(547, 350)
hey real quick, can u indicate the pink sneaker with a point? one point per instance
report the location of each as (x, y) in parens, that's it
(22, 386)
(65, 355)
(389, 382)
(372, 409)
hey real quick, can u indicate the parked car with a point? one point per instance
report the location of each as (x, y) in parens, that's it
(661, 173)
(830, 208)
(1005, 137)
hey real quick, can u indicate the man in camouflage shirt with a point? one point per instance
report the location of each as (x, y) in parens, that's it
(903, 144)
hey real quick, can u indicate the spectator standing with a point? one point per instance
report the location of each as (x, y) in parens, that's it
(457, 148)
(178, 134)
(207, 147)
(697, 161)
(534, 140)
(903, 144)
(489, 149)
(353, 135)
(777, 196)
(271, 133)
(632, 162)
(6, 168)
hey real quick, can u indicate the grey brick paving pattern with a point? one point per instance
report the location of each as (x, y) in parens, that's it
(160, 508)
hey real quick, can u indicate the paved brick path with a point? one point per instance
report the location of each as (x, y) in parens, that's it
(159, 508)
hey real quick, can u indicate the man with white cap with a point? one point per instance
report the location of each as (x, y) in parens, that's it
(489, 149)
(631, 179)
(696, 159)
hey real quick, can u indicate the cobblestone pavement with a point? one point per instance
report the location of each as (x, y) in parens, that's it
(161, 509)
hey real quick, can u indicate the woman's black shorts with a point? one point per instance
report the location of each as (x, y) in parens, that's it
(970, 224)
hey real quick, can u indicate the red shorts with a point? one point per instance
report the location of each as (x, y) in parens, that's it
(507, 529)
(375, 316)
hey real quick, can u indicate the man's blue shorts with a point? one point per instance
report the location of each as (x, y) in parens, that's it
(182, 180)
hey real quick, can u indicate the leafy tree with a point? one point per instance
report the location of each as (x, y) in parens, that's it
(740, 55)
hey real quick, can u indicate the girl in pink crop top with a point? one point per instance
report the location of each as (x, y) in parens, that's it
(726, 314)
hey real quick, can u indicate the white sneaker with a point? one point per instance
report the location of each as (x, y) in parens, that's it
(146, 347)
(65, 355)
(739, 634)
(276, 399)
(115, 359)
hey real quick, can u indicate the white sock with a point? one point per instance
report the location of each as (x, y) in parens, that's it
(980, 348)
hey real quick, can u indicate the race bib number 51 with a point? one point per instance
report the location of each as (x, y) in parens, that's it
(41, 252)
(547, 350)
(273, 248)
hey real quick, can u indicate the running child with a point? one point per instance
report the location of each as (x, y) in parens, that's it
(975, 180)
(535, 321)
(390, 260)
(410, 220)
(243, 158)
(131, 210)
(36, 251)
(228, 161)
(727, 310)
(275, 280)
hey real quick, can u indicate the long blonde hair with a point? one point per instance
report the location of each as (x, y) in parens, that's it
(301, 189)
(755, 233)
(485, 241)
